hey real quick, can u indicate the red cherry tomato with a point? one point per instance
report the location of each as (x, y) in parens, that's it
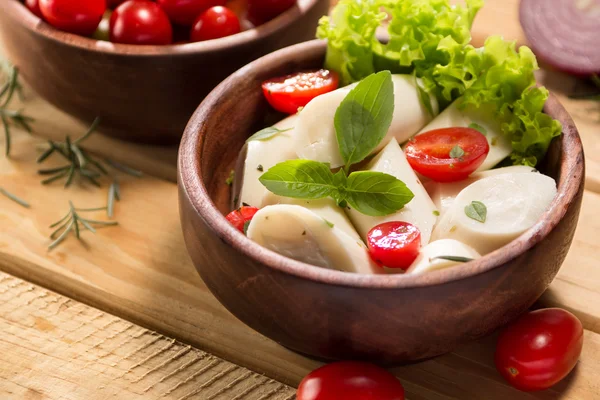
(431, 153)
(290, 92)
(394, 244)
(185, 12)
(539, 349)
(261, 11)
(112, 4)
(241, 216)
(140, 22)
(214, 23)
(34, 7)
(75, 16)
(350, 380)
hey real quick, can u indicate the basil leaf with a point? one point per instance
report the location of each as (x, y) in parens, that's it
(453, 258)
(457, 152)
(376, 193)
(477, 211)
(477, 127)
(267, 133)
(364, 117)
(301, 179)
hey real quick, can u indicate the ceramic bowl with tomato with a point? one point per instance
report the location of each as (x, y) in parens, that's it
(331, 314)
(143, 93)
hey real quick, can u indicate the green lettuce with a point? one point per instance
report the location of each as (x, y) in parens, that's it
(431, 39)
(505, 79)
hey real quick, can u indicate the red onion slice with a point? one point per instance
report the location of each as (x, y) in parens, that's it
(564, 33)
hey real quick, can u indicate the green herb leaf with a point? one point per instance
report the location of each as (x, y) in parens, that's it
(246, 225)
(457, 152)
(376, 193)
(267, 133)
(364, 117)
(477, 127)
(230, 178)
(436, 213)
(14, 198)
(477, 211)
(453, 258)
(301, 179)
(329, 223)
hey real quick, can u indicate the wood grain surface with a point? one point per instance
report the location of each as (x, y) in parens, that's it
(141, 271)
(55, 348)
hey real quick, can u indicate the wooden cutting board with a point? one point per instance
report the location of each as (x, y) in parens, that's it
(140, 269)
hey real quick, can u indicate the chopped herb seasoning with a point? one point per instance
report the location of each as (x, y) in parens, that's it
(231, 178)
(477, 211)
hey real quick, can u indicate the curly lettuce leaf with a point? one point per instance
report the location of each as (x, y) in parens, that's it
(505, 79)
(350, 32)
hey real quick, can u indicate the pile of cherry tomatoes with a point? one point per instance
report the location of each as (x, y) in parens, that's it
(159, 22)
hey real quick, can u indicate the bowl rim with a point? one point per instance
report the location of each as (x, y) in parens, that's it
(18, 12)
(570, 182)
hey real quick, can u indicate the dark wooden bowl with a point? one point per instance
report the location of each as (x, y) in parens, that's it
(335, 315)
(143, 93)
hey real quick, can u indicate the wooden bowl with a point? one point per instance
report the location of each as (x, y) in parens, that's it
(142, 93)
(336, 315)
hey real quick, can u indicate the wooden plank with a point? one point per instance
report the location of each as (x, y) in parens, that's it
(141, 271)
(55, 348)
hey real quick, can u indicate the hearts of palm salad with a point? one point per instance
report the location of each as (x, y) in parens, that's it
(402, 155)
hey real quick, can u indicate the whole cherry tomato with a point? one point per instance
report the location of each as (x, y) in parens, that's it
(34, 7)
(290, 92)
(350, 380)
(447, 155)
(539, 349)
(394, 244)
(214, 23)
(185, 12)
(75, 16)
(112, 4)
(240, 217)
(140, 22)
(261, 11)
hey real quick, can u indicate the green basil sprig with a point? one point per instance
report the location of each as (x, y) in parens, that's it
(371, 193)
(361, 122)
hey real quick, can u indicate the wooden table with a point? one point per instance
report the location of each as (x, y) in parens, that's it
(137, 279)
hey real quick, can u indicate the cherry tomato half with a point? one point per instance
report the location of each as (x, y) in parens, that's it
(261, 11)
(539, 349)
(214, 23)
(239, 217)
(75, 16)
(140, 22)
(350, 380)
(185, 12)
(34, 7)
(290, 92)
(394, 244)
(447, 155)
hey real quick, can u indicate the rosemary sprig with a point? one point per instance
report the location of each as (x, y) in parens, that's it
(79, 161)
(8, 117)
(14, 198)
(114, 194)
(71, 223)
